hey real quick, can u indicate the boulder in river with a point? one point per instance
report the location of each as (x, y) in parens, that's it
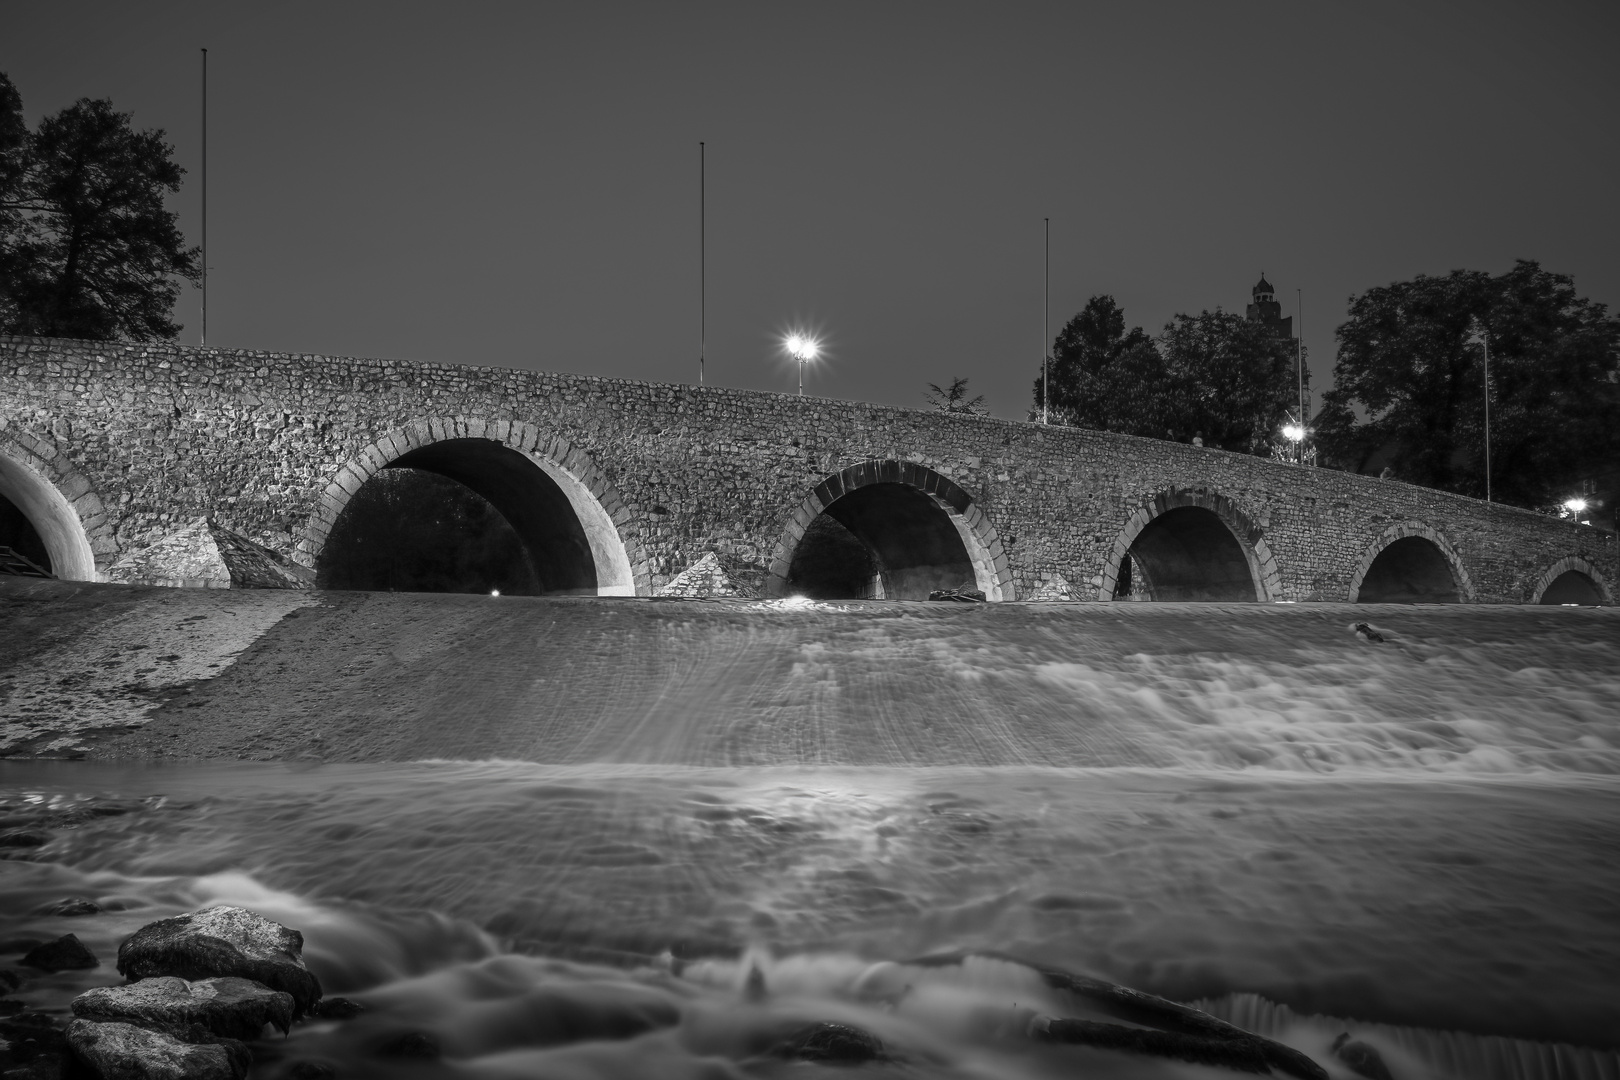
(125, 1052)
(230, 1007)
(223, 941)
(830, 1044)
(71, 907)
(66, 953)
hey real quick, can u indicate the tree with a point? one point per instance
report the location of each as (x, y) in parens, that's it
(13, 164)
(1230, 381)
(1410, 383)
(1098, 371)
(88, 249)
(954, 399)
(1212, 375)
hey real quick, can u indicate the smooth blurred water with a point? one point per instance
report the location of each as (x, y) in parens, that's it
(1241, 805)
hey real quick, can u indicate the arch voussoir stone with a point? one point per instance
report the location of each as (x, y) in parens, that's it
(61, 503)
(1581, 566)
(992, 568)
(1249, 535)
(1400, 531)
(588, 489)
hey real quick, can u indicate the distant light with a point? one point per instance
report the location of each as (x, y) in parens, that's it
(494, 592)
(1576, 506)
(1293, 433)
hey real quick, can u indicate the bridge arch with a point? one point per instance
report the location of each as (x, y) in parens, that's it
(1574, 578)
(1192, 545)
(1410, 563)
(58, 502)
(549, 490)
(920, 532)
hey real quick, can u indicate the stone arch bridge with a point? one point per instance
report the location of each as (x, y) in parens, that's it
(111, 452)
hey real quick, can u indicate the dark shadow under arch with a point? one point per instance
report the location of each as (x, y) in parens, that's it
(887, 529)
(884, 540)
(1573, 579)
(547, 551)
(1189, 554)
(1572, 587)
(1190, 545)
(18, 535)
(1410, 570)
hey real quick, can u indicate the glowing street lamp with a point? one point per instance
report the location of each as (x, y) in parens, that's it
(803, 348)
(1295, 433)
(1576, 507)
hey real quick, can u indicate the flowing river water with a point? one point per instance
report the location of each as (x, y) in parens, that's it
(629, 838)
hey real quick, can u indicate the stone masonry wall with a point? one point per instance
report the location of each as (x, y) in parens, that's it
(145, 438)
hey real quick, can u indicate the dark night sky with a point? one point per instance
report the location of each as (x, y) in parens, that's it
(518, 185)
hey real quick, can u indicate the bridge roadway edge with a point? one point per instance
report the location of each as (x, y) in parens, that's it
(163, 434)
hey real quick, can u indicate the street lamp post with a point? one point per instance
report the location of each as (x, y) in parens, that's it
(802, 349)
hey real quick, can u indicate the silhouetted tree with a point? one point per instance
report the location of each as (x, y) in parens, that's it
(87, 248)
(1409, 382)
(1213, 375)
(954, 398)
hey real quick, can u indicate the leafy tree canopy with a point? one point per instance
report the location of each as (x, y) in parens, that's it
(1410, 384)
(87, 248)
(1214, 376)
(954, 399)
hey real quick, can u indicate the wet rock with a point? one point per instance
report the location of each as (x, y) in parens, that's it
(1360, 1058)
(223, 941)
(1170, 1029)
(229, 1007)
(11, 1006)
(23, 838)
(337, 1008)
(1366, 633)
(1242, 1054)
(830, 1044)
(33, 1041)
(118, 1051)
(960, 596)
(66, 953)
(411, 1046)
(71, 907)
(11, 978)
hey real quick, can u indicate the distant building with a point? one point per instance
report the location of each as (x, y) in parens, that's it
(1267, 312)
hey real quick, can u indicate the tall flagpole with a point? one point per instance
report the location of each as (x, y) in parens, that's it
(703, 263)
(202, 338)
(1299, 308)
(1046, 324)
(1485, 343)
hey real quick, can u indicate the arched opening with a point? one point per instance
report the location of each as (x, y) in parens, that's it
(1186, 554)
(37, 521)
(1572, 587)
(1410, 570)
(882, 541)
(472, 515)
(891, 530)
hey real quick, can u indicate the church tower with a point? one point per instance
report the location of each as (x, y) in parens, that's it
(1267, 312)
